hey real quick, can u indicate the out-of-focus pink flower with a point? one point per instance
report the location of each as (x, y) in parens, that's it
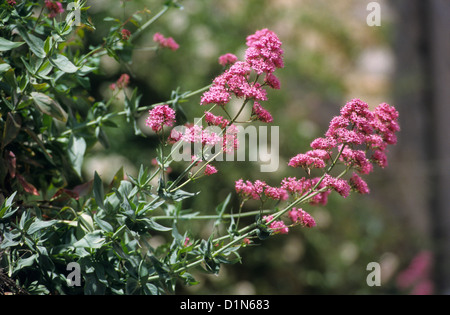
(121, 83)
(416, 276)
(165, 42)
(55, 8)
(227, 59)
(12, 2)
(125, 34)
(159, 117)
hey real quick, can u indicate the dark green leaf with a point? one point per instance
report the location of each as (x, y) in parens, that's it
(8, 45)
(93, 239)
(63, 63)
(35, 43)
(98, 190)
(49, 106)
(151, 224)
(39, 224)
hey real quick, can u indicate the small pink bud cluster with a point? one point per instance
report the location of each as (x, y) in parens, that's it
(126, 34)
(165, 42)
(121, 83)
(159, 117)
(263, 56)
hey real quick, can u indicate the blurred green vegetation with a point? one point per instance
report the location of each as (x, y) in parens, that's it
(323, 43)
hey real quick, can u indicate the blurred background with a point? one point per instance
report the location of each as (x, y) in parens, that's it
(331, 56)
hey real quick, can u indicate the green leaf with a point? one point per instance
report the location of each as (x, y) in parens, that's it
(12, 128)
(151, 224)
(220, 209)
(25, 262)
(6, 211)
(99, 193)
(48, 106)
(39, 225)
(63, 63)
(35, 43)
(6, 45)
(93, 239)
(76, 150)
(105, 226)
(4, 67)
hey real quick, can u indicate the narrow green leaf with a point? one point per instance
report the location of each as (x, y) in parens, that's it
(76, 150)
(99, 194)
(8, 45)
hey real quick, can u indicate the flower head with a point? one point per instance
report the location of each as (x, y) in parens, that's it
(210, 170)
(227, 59)
(261, 113)
(160, 116)
(278, 227)
(165, 42)
(359, 184)
(302, 217)
(55, 7)
(264, 53)
(125, 34)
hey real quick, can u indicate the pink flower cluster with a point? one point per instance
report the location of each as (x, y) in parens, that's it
(297, 216)
(263, 56)
(302, 217)
(159, 117)
(126, 34)
(260, 189)
(360, 137)
(55, 7)
(278, 227)
(165, 42)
